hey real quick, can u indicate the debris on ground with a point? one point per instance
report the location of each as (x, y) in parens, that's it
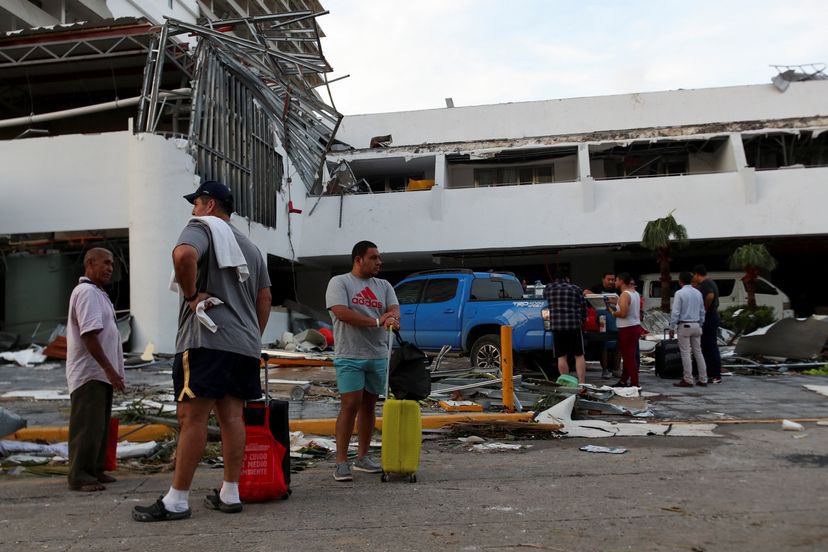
(821, 389)
(789, 338)
(10, 422)
(25, 358)
(607, 450)
(561, 413)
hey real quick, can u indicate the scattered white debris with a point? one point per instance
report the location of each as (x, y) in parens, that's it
(492, 447)
(608, 450)
(471, 439)
(561, 413)
(25, 357)
(39, 395)
(788, 425)
(821, 389)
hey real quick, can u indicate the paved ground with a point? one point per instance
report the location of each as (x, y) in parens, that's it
(755, 487)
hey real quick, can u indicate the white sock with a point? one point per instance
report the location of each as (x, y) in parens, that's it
(229, 493)
(176, 501)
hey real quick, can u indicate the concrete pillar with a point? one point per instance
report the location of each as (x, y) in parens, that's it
(585, 177)
(159, 172)
(440, 183)
(747, 175)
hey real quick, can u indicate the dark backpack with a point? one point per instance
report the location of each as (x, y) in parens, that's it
(409, 377)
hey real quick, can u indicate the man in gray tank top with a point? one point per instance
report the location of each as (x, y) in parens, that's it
(362, 307)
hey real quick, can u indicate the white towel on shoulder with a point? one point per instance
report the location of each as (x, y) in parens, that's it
(227, 250)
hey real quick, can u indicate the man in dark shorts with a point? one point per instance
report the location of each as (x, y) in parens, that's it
(567, 312)
(710, 328)
(217, 361)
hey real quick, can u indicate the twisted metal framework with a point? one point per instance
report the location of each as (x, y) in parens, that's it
(252, 89)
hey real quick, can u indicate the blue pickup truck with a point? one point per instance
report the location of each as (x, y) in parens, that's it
(466, 309)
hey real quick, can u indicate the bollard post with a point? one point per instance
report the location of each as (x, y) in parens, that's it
(506, 368)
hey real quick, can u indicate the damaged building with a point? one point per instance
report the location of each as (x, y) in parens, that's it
(110, 112)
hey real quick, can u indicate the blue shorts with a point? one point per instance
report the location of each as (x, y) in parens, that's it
(359, 374)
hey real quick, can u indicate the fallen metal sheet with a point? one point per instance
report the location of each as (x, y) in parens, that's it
(444, 386)
(562, 413)
(135, 450)
(821, 389)
(787, 338)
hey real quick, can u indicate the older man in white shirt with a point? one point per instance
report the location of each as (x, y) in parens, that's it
(687, 318)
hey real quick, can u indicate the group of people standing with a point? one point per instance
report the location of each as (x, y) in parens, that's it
(694, 317)
(224, 304)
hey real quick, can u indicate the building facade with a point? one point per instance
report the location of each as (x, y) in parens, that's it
(523, 186)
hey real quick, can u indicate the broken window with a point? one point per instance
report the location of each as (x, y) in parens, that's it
(805, 148)
(387, 174)
(514, 176)
(660, 158)
(513, 167)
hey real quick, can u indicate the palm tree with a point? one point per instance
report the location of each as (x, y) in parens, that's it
(657, 237)
(752, 258)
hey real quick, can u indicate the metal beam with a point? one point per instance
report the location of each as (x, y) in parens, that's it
(28, 13)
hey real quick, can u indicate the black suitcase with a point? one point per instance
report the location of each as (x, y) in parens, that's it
(668, 359)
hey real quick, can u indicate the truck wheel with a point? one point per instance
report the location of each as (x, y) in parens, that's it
(485, 353)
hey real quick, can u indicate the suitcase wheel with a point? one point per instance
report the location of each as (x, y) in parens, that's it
(384, 477)
(412, 478)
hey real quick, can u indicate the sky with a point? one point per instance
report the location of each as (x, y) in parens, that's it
(408, 55)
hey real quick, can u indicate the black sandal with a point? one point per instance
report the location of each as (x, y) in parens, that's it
(213, 502)
(157, 512)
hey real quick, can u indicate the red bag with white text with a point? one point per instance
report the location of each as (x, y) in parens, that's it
(261, 475)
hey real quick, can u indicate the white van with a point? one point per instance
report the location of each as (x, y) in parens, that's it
(731, 292)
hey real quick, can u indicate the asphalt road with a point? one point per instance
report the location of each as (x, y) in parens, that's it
(755, 487)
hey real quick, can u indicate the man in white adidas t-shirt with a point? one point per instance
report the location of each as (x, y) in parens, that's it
(362, 308)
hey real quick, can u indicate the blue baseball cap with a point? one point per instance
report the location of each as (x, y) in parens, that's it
(214, 189)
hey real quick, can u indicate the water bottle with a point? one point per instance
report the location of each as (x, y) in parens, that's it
(602, 323)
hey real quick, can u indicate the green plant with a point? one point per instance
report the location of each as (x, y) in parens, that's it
(752, 258)
(659, 235)
(742, 319)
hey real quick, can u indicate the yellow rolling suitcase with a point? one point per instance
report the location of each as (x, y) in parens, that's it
(402, 433)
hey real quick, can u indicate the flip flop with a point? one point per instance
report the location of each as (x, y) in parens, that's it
(88, 487)
(104, 478)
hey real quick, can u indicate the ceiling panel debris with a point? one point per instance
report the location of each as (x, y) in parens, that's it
(253, 78)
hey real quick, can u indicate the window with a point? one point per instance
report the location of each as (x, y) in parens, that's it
(761, 286)
(440, 290)
(409, 292)
(512, 176)
(655, 288)
(495, 289)
(725, 286)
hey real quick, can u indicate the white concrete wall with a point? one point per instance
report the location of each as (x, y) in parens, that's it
(583, 115)
(64, 183)
(788, 202)
(155, 10)
(118, 180)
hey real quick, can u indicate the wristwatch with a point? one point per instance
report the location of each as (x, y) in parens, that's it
(191, 297)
